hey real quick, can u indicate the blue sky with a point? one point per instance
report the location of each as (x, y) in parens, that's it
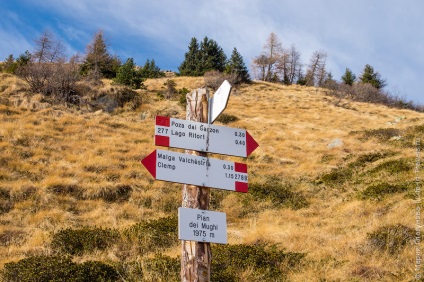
(387, 34)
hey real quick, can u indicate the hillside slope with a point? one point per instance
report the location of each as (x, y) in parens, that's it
(333, 180)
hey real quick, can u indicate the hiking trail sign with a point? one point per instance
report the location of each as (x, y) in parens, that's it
(198, 227)
(197, 170)
(202, 226)
(203, 137)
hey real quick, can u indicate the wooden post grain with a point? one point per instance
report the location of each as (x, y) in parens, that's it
(196, 256)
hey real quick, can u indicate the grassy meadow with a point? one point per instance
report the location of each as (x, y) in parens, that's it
(331, 188)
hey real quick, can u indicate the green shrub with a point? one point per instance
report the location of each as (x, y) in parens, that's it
(57, 268)
(393, 167)
(378, 191)
(161, 268)
(39, 269)
(182, 97)
(278, 194)
(267, 262)
(391, 238)
(342, 175)
(91, 271)
(363, 160)
(382, 134)
(157, 268)
(411, 134)
(84, 240)
(151, 235)
(336, 176)
(126, 95)
(225, 119)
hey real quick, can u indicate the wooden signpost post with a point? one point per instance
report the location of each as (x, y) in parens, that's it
(199, 227)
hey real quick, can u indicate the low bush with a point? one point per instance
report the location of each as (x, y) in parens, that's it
(123, 95)
(91, 271)
(57, 268)
(365, 159)
(393, 167)
(382, 134)
(182, 97)
(151, 235)
(344, 174)
(379, 191)
(265, 262)
(278, 194)
(161, 268)
(157, 268)
(391, 238)
(84, 240)
(225, 119)
(336, 176)
(214, 79)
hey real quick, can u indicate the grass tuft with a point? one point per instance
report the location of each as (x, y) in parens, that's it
(391, 238)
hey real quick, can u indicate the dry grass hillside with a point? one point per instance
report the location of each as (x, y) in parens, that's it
(332, 180)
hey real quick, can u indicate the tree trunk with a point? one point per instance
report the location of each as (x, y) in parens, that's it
(196, 256)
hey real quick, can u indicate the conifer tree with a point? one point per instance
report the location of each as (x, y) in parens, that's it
(212, 57)
(191, 63)
(203, 57)
(98, 61)
(237, 66)
(128, 75)
(10, 64)
(151, 70)
(372, 77)
(349, 77)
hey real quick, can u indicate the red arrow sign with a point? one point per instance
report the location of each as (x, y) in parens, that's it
(197, 170)
(209, 138)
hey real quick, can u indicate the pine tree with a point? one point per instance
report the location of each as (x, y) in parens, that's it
(236, 65)
(212, 57)
(128, 75)
(151, 70)
(191, 63)
(203, 57)
(10, 64)
(349, 77)
(98, 61)
(372, 77)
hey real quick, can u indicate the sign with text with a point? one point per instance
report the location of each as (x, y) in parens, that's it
(202, 226)
(203, 137)
(197, 170)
